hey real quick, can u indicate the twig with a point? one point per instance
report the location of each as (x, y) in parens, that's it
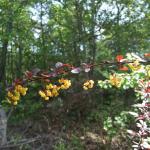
(10, 112)
(23, 142)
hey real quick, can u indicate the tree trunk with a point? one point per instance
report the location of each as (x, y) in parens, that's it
(5, 40)
(3, 126)
(20, 60)
(93, 37)
(43, 48)
(3, 60)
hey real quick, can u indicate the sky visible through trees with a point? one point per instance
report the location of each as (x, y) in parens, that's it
(39, 33)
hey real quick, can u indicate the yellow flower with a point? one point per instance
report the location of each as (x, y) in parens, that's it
(21, 89)
(115, 80)
(46, 98)
(88, 84)
(148, 70)
(9, 94)
(16, 93)
(56, 87)
(49, 93)
(61, 80)
(15, 103)
(18, 87)
(15, 98)
(50, 86)
(135, 66)
(91, 83)
(65, 83)
(42, 94)
(85, 88)
(55, 92)
(62, 87)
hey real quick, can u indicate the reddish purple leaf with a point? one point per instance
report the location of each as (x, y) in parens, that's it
(76, 70)
(59, 64)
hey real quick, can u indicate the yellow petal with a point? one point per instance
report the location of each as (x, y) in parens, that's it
(42, 94)
(46, 98)
(9, 94)
(49, 93)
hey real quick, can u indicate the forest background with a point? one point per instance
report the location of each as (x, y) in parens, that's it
(40, 33)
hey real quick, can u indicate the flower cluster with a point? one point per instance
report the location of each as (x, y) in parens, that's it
(137, 78)
(52, 90)
(132, 74)
(141, 137)
(115, 80)
(143, 89)
(14, 95)
(65, 84)
(135, 66)
(137, 72)
(88, 84)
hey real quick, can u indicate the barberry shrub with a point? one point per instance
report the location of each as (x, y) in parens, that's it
(133, 73)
